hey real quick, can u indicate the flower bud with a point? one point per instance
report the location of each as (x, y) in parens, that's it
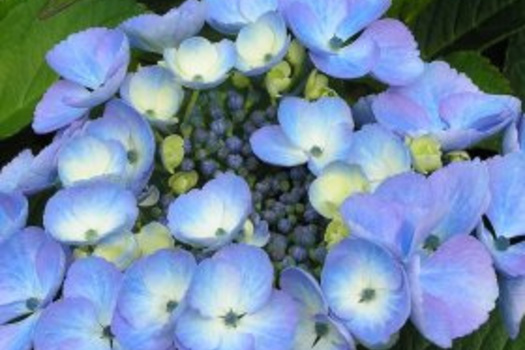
(278, 79)
(317, 86)
(154, 237)
(426, 154)
(335, 232)
(183, 182)
(172, 152)
(296, 54)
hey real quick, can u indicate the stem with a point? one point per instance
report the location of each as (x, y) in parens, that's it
(190, 106)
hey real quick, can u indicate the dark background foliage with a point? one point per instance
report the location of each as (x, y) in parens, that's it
(483, 38)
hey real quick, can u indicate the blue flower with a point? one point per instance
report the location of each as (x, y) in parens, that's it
(123, 124)
(86, 158)
(262, 44)
(316, 329)
(89, 79)
(32, 266)
(367, 289)
(427, 224)
(229, 16)
(232, 305)
(316, 133)
(89, 212)
(152, 295)
(13, 214)
(154, 93)
(155, 33)
(82, 318)
(199, 64)
(214, 215)
(327, 28)
(504, 222)
(447, 105)
(512, 303)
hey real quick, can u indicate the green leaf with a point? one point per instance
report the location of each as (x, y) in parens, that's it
(407, 10)
(515, 63)
(448, 25)
(28, 29)
(482, 72)
(491, 336)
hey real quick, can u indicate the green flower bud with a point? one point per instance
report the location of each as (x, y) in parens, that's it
(172, 152)
(278, 79)
(154, 237)
(336, 231)
(296, 54)
(456, 156)
(317, 86)
(240, 81)
(183, 182)
(426, 154)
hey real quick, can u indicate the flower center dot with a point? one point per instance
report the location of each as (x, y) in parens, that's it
(132, 156)
(231, 319)
(172, 304)
(220, 232)
(91, 235)
(316, 151)
(502, 243)
(198, 78)
(367, 295)
(432, 243)
(268, 57)
(32, 304)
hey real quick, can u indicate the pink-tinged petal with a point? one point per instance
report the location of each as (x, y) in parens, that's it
(453, 290)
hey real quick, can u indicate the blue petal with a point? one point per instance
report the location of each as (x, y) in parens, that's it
(360, 15)
(355, 266)
(213, 216)
(380, 153)
(460, 264)
(18, 336)
(216, 289)
(462, 190)
(396, 44)
(13, 214)
(403, 115)
(229, 17)
(90, 57)
(32, 266)
(148, 287)
(97, 281)
(509, 261)
(337, 337)
(86, 213)
(362, 111)
(303, 288)
(71, 324)
(194, 331)
(257, 271)
(85, 158)
(484, 114)
(123, 124)
(274, 325)
(155, 33)
(271, 145)
(53, 112)
(353, 61)
(507, 190)
(511, 303)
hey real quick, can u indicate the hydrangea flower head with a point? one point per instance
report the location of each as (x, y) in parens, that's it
(327, 28)
(229, 16)
(82, 318)
(262, 44)
(316, 133)
(232, 304)
(32, 267)
(14, 209)
(154, 93)
(155, 33)
(200, 64)
(317, 329)
(152, 295)
(447, 105)
(87, 213)
(93, 64)
(214, 215)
